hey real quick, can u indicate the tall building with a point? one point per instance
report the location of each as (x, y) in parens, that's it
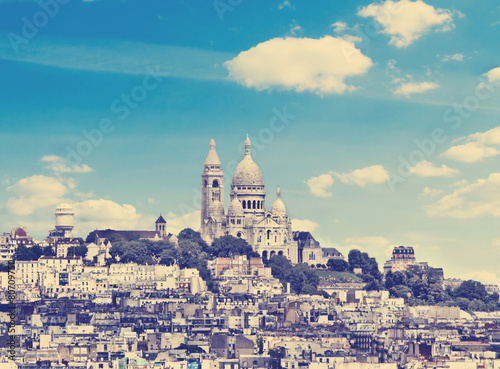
(61, 237)
(269, 232)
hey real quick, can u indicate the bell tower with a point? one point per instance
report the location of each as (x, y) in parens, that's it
(212, 195)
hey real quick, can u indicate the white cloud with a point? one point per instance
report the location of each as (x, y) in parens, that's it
(176, 223)
(427, 169)
(295, 30)
(152, 200)
(481, 198)
(362, 177)
(59, 164)
(410, 88)
(286, 4)
(493, 75)
(33, 193)
(431, 192)
(483, 277)
(406, 21)
(455, 57)
(491, 137)
(300, 64)
(319, 185)
(339, 27)
(476, 148)
(470, 152)
(304, 225)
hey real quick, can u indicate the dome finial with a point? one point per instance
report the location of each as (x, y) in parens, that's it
(212, 143)
(278, 192)
(248, 150)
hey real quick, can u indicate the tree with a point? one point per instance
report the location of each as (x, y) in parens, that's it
(90, 237)
(78, 251)
(260, 345)
(471, 290)
(227, 246)
(278, 352)
(337, 265)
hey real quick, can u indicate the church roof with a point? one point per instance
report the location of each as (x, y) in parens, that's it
(212, 157)
(161, 220)
(247, 172)
(278, 207)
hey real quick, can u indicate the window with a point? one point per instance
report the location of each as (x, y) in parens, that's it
(249, 204)
(244, 203)
(254, 206)
(215, 183)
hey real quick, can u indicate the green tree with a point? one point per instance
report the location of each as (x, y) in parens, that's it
(227, 246)
(471, 290)
(337, 265)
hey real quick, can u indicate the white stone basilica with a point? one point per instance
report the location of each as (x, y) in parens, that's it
(268, 232)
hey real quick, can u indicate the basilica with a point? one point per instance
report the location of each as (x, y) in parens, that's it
(269, 232)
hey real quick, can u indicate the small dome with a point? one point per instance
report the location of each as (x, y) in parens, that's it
(278, 207)
(212, 157)
(235, 208)
(247, 172)
(21, 232)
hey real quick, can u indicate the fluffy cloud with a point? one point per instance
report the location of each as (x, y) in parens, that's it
(454, 57)
(476, 148)
(286, 4)
(470, 152)
(427, 169)
(406, 21)
(33, 193)
(493, 75)
(362, 177)
(319, 185)
(59, 164)
(431, 192)
(300, 64)
(176, 223)
(483, 277)
(410, 88)
(304, 225)
(470, 200)
(339, 27)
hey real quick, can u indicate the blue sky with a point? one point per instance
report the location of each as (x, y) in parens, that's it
(378, 119)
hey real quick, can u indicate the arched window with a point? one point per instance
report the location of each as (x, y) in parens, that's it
(268, 234)
(206, 183)
(258, 204)
(244, 203)
(249, 204)
(254, 206)
(280, 253)
(262, 204)
(215, 183)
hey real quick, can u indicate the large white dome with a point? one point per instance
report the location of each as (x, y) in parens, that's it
(247, 173)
